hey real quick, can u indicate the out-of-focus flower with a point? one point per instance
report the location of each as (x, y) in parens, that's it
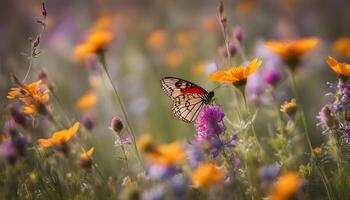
(205, 67)
(341, 69)
(116, 124)
(17, 115)
(195, 155)
(166, 154)
(87, 121)
(11, 127)
(326, 119)
(86, 101)
(342, 46)
(292, 51)
(157, 40)
(155, 193)
(184, 38)
(290, 107)
(286, 187)
(60, 138)
(13, 147)
(236, 75)
(34, 96)
(85, 159)
(272, 76)
(269, 173)
(173, 58)
(206, 174)
(317, 150)
(246, 6)
(232, 48)
(208, 123)
(179, 185)
(103, 23)
(96, 42)
(161, 172)
(146, 143)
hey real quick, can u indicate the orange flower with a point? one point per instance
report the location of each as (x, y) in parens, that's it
(341, 69)
(290, 108)
(156, 40)
(33, 96)
(291, 51)
(236, 75)
(206, 174)
(246, 6)
(173, 58)
(85, 159)
(86, 101)
(286, 187)
(99, 39)
(60, 138)
(166, 154)
(342, 46)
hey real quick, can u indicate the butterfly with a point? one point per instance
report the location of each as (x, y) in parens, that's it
(188, 98)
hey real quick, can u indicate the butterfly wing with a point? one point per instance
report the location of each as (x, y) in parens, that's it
(174, 87)
(188, 98)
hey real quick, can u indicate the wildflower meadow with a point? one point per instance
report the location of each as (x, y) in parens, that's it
(164, 99)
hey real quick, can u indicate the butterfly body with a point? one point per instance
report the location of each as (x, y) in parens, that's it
(188, 98)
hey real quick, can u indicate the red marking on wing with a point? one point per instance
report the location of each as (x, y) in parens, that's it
(192, 90)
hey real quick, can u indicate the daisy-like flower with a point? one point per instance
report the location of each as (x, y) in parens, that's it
(97, 41)
(60, 139)
(286, 187)
(34, 96)
(341, 69)
(290, 107)
(292, 51)
(206, 174)
(86, 101)
(236, 75)
(85, 159)
(342, 46)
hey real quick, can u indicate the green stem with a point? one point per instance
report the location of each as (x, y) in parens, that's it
(121, 104)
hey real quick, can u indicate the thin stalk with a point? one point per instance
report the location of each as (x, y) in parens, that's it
(224, 33)
(294, 88)
(121, 104)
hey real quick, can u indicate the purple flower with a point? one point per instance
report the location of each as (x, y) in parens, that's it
(87, 121)
(179, 185)
(195, 155)
(155, 193)
(269, 173)
(161, 172)
(208, 123)
(8, 152)
(272, 76)
(326, 119)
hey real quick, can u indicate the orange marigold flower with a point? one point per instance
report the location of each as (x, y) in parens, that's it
(236, 75)
(86, 101)
(286, 187)
(34, 96)
(156, 40)
(341, 69)
(60, 138)
(206, 174)
(166, 154)
(291, 51)
(85, 159)
(99, 39)
(342, 46)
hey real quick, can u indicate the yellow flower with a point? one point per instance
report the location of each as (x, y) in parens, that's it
(156, 40)
(166, 154)
(286, 187)
(99, 39)
(33, 96)
(342, 69)
(86, 101)
(83, 51)
(173, 58)
(206, 174)
(291, 51)
(342, 46)
(145, 143)
(85, 159)
(236, 75)
(317, 150)
(290, 108)
(60, 138)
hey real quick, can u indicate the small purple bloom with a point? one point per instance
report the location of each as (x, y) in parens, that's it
(208, 123)
(269, 173)
(161, 172)
(272, 76)
(179, 185)
(236, 161)
(195, 155)
(155, 193)
(87, 121)
(8, 152)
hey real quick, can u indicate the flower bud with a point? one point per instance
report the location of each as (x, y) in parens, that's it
(87, 121)
(272, 77)
(238, 34)
(116, 124)
(326, 117)
(232, 47)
